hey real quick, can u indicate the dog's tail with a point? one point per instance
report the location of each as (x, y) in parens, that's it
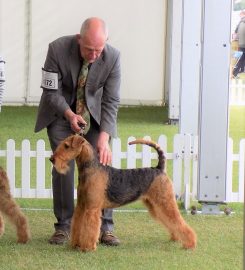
(161, 156)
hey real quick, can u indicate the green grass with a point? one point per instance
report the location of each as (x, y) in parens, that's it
(144, 244)
(18, 123)
(142, 121)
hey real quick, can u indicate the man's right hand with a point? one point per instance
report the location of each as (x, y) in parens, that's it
(76, 121)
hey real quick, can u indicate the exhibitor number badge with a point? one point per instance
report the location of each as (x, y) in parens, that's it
(49, 80)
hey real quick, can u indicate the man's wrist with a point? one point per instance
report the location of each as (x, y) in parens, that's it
(68, 114)
(104, 135)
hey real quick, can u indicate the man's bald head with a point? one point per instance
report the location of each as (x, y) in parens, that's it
(92, 38)
(94, 26)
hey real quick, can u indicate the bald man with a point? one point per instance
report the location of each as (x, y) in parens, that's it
(57, 111)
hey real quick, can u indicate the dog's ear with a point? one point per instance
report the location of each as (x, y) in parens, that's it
(77, 141)
(87, 152)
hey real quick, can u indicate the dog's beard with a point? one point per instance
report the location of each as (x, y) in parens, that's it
(61, 166)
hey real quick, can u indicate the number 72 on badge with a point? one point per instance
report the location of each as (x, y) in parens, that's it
(49, 79)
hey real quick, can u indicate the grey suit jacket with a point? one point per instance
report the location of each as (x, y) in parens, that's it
(102, 85)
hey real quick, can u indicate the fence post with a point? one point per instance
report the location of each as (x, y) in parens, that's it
(177, 164)
(25, 169)
(239, 91)
(241, 170)
(162, 141)
(10, 156)
(116, 153)
(194, 167)
(146, 153)
(229, 193)
(40, 169)
(131, 154)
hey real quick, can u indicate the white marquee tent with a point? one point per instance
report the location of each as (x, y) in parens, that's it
(137, 28)
(167, 51)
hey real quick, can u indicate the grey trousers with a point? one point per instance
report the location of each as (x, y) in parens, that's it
(63, 185)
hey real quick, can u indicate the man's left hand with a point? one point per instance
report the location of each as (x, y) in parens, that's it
(103, 148)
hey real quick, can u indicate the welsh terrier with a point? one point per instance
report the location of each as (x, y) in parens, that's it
(102, 187)
(10, 209)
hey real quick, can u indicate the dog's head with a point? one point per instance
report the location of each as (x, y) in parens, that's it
(69, 149)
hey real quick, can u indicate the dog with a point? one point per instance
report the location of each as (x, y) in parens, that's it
(102, 187)
(9, 208)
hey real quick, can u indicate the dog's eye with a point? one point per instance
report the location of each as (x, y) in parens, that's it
(66, 146)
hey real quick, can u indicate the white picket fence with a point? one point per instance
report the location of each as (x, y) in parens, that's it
(184, 166)
(237, 92)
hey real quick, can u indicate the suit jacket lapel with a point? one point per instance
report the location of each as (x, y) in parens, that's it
(75, 62)
(95, 69)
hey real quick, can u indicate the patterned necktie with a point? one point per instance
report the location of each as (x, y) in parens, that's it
(81, 106)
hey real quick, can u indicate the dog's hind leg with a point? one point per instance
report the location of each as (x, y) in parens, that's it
(162, 206)
(1, 225)
(9, 208)
(14, 214)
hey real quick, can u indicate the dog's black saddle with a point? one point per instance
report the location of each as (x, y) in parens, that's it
(127, 185)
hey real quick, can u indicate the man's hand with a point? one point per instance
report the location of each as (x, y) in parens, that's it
(103, 148)
(74, 120)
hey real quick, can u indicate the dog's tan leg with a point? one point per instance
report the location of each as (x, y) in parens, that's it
(85, 228)
(76, 226)
(1, 225)
(14, 214)
(162, 206)
(22, 229)
(90, 229)
(9, 208)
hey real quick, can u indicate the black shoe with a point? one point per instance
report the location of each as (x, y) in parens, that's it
(59, 237)
(107, 238)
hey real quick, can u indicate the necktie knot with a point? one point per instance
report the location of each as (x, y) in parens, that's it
(85, 66)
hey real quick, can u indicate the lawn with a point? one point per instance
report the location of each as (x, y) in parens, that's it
(18, 123)
(144, 244)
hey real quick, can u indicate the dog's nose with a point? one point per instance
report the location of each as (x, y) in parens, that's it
(52, 159)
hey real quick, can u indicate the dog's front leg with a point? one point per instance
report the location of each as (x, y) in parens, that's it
(76, 225)
(1, 224)
(90, 229)
(85, 228)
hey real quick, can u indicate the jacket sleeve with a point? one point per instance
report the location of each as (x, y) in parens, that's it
(54, 99)
(111, 99)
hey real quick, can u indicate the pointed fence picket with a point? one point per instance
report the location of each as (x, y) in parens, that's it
(194, 166)
(184, 165)
(237, 92)
(10, 156)
(241, 173)
(240, 158)
(178, 150)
